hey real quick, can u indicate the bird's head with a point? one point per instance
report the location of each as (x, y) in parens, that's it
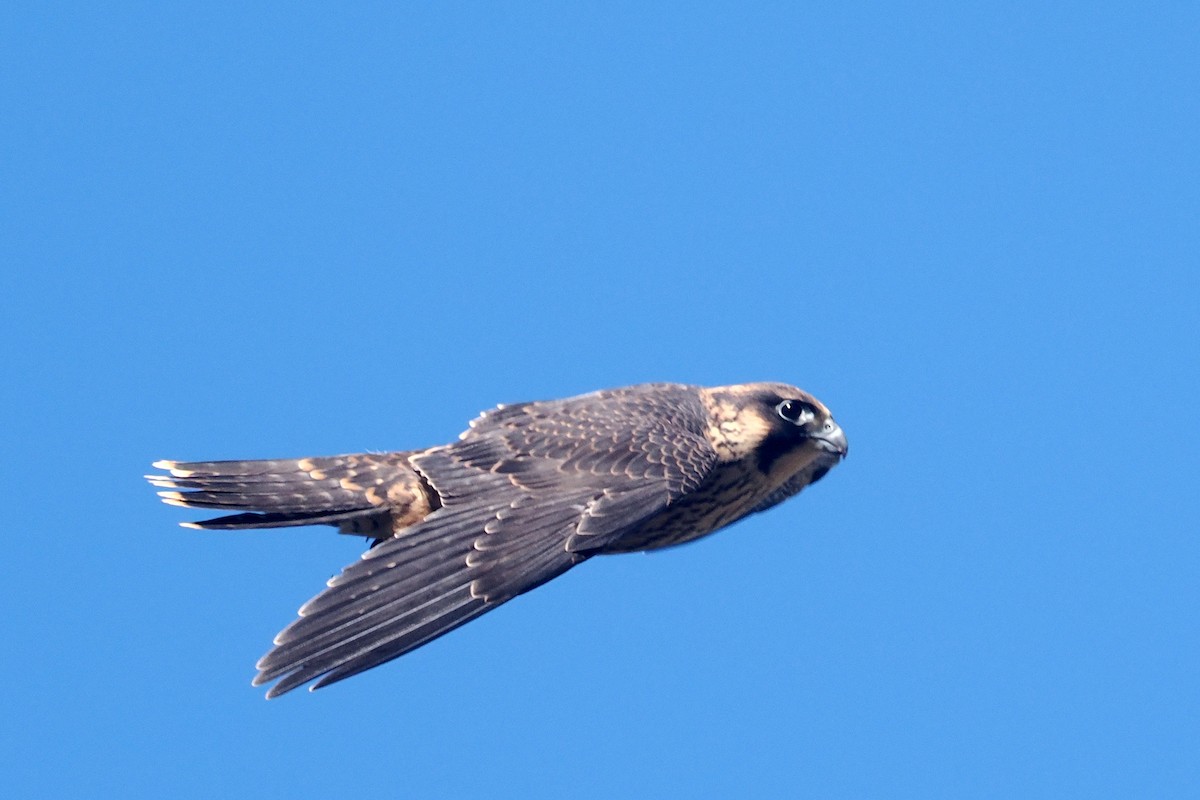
(781, 429)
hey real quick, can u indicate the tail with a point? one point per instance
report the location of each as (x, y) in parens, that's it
(364, 494)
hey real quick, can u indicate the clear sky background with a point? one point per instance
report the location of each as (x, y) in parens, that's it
(236, 230)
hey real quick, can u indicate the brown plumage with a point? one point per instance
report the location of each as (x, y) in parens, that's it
(528, 491)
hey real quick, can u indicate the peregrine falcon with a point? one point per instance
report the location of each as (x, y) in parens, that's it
(528, 491)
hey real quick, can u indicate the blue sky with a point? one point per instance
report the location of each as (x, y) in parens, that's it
(265, 230)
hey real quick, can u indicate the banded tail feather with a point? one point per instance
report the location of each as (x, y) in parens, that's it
(363, 494)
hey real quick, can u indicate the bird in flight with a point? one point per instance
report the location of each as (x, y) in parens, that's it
(528, 491)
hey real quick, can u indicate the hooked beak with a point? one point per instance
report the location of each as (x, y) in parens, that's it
(832, 440)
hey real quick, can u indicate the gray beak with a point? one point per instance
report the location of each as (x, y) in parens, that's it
(833, 440)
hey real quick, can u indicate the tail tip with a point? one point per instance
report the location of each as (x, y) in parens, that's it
(173, 499)
(171, 467)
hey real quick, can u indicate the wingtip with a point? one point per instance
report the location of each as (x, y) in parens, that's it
(195, 526)
(260, 680)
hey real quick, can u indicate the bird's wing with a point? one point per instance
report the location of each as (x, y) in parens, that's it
(524, 497)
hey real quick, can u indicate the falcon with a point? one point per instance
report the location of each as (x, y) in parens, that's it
(528, 491)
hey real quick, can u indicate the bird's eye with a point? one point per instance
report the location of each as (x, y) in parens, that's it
(797, 412)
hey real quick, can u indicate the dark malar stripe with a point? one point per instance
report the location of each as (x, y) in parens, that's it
(776, 445)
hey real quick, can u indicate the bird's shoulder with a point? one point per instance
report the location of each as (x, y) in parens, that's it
(645, 432)
(648, 405)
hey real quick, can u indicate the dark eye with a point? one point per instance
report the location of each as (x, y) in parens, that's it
(797, 412)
